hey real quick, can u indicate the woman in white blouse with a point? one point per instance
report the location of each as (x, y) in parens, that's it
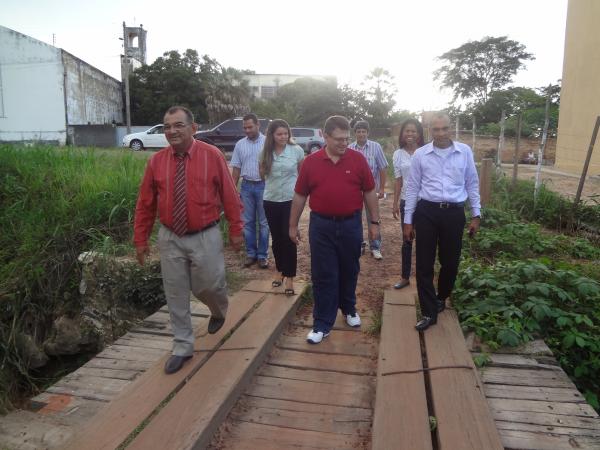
(411, 138)
(279, 165)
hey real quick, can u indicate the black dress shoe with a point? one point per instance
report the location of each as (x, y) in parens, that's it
(215, 324)
(441, 305)
(425, 323)
(174, 363)
(263, 263)
(401, 284)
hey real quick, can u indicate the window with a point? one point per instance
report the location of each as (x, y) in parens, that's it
(157, 130)
(302, 132)
(231, 126)
(268, 91)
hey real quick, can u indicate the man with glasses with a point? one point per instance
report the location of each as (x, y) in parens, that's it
(442, 176)
(337, 179)
(188, 183)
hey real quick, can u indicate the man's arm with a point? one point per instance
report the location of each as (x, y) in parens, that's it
(235, 174)
(382, 180)
(373, 207)
(145, 214)
(298, 203)
(231, 203)
(472, 187)
(381, 165)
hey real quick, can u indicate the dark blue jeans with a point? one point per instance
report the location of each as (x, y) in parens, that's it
(334, 260)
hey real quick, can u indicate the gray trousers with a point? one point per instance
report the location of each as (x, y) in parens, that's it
(192, 263)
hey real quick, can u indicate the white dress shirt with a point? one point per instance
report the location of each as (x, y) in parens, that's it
(402, 160)
(442, 179)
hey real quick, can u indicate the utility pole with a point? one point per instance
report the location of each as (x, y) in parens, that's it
(126, 65)
(457, 131)
(500, 142)
(516, 157)
(473, 146)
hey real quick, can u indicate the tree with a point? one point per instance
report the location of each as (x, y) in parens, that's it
(172, 79)
(477, 68)
(380, 96)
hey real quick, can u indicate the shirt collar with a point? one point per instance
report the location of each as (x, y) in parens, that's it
(326, 155)
(453, 146)
(260, 135)
(191, 151)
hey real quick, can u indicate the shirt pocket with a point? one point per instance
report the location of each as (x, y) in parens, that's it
(456, 173)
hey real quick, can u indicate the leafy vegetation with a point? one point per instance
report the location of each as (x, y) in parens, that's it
(519, 282)
(54, 204)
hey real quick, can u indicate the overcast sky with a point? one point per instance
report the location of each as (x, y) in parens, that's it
(343, 38)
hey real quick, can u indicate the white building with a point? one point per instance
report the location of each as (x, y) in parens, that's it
(44, 90)
(266, 85)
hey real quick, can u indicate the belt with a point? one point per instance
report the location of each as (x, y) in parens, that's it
(336, 218)
(253, 181)
(208, 225)
(442, 205)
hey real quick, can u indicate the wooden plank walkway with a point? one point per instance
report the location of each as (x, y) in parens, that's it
(307, 396)
(535, 405)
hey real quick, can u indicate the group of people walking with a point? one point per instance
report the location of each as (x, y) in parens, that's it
(188, 184)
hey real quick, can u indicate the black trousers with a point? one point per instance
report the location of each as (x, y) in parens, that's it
(438, 230)
(406, 248)
(284, 250)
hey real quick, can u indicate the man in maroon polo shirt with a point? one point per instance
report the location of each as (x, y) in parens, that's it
(337, 179)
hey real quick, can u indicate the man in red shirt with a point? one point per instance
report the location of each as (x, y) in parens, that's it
(337, 179)
(188, 183)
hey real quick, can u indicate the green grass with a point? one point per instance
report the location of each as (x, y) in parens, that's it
(54, 204)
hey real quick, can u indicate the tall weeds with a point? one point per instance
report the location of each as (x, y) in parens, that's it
(54, 204)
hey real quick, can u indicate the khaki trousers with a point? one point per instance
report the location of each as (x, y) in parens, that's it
(192, 263)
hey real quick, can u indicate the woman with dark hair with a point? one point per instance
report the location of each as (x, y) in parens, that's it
(410, 138)
(280, 162)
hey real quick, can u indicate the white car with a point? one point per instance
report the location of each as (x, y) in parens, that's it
(152, 138)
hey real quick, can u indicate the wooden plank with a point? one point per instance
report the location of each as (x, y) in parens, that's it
(526, 440)
(525, 377)
(164, 343)
(264, 285)
(118, 374)
(88, 387)
(69, 410)
(457, 390)
(181, 424)
(533, 406)
(358, 396)
(282, 413)
(401, 419)
(545, 429)
(549, 394)
(357, 365)
(306, 321)
(252, 436)
(548, 420)
(113, 363)
(346, 343)
(114, 423)
(319, 376)
(516, 361)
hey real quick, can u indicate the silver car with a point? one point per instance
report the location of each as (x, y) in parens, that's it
(310, 139)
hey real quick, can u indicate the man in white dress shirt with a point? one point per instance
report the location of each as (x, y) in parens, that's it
(442, 176)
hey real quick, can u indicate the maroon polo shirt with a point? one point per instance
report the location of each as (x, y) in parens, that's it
(335, 189)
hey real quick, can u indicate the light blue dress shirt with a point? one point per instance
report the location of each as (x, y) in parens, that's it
(373, 152)
(279, 184)
(245, 157)
(442, 179)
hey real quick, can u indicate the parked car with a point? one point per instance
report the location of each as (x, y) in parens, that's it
(310, 139)
(226, 134)
(152, 138)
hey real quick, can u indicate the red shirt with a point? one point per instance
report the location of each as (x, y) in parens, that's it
(208, 185)
(335, 189)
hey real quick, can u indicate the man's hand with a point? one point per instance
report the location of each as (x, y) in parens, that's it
(236, 242)
(381, 194)
(141, 254)
(374, 233)
(396, 211)
(295, 234)
(408, 232)
(474, 226)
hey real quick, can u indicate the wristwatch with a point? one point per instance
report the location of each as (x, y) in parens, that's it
(376, 222)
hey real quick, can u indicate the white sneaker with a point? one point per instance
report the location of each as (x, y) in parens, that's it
(353, 320)
(314, 337)
(377, 254)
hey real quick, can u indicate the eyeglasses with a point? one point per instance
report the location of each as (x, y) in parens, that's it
(340, 140)
(437, 130)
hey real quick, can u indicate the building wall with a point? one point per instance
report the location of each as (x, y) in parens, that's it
(580, 96)
(32, 106)
(266, 85)
(92, 97)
